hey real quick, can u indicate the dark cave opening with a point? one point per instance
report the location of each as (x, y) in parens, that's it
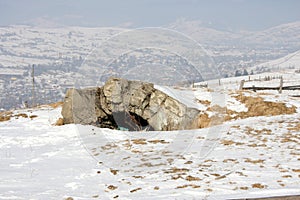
(126, 121)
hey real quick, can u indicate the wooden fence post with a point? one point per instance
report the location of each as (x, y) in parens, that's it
(281, 85)
(242, 84)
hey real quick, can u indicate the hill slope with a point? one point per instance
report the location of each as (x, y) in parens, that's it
(247, 156)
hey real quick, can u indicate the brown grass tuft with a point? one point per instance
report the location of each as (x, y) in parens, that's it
(188, 185)
(5, 116)
(135, 190)
(112, 187)
(21, 115)
(204, 102)
(258, 185)
(33, 116)
(158, 141)
(59, 122)
(192, 178)
(139, 141)
(114, 171)
(56, 105)
(254, 161)
(176, 170)
(156, 188)
(258, 107)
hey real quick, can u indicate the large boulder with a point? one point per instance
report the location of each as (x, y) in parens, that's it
(129, 105)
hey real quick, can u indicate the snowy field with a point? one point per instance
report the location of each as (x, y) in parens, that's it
(241, 158)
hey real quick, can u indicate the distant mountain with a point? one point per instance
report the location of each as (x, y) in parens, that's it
(285, 35)
(203, 33)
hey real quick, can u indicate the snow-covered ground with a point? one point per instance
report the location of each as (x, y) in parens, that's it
(251, 157)
(291, 61)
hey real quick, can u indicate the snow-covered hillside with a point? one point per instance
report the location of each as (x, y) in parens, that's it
(25, 45)
(249, 155)
(290, 61)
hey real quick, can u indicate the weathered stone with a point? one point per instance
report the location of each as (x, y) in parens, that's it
(133, 105)
(79, 106)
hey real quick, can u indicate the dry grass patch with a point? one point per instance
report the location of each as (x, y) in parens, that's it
(230, 142)
(139, 141)
(258, 185)
(59, 122)
(258, 107)
(175, 177)
(21, 115)
(230, 160)
(295, 128)
(33, 116)
(135, 190)
(158, 141)
(286, 176)
(176, 170)
(156, 188)
(141, 177)
(203, 121)
(56, 105)
(204, 102)
(112, 187)
(244, 188)
(5, 116)
(254, 161)
(188, 185)
(109, 146)
(114, 171)
(192, 178)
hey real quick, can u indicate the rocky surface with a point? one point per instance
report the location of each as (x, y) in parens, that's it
(129, 105)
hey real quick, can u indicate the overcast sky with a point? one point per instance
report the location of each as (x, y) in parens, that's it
(229, 14)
